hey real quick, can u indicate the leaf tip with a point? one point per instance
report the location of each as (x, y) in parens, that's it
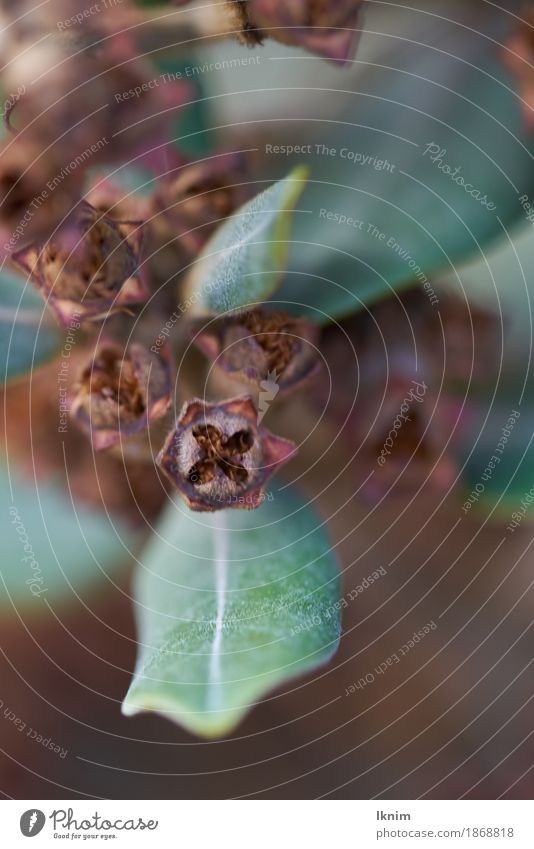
(209, 725)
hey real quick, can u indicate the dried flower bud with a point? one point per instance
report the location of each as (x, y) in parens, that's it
(218, 455)
(320, 26)
(256, 345)
(192, 204)
(118, 395)
(90, 269)
(33, 409)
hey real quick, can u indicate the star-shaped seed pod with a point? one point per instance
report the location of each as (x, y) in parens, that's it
(134, 489)
(118, 393)
(219, 456)
(252, 346)
(193, 201)
(329, 29)
(90, 269)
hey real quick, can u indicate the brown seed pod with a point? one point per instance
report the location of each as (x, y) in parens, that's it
(90, 269)
(218, 455)
(44, 445)
(118, 394)
(330, 29)
(260, 345)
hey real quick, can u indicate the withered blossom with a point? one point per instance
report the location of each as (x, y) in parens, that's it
(90, 269)
(118, 394)
(218, 455)
(329, 29)
(253, 346)
(191, 203)
(132, 488)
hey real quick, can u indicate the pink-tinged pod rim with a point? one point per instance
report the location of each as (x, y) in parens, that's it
(275, 452)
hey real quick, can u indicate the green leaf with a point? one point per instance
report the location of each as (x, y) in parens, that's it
(244, 261)
(418, 78)
(230, 605)
(52, 548)
(415, 220)
(27, 336)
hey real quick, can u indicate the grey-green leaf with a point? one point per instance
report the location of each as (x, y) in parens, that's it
(410, 218)
(382, 215)
(28, 337)
(53, 548)
(244, 261)
(230, 605)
